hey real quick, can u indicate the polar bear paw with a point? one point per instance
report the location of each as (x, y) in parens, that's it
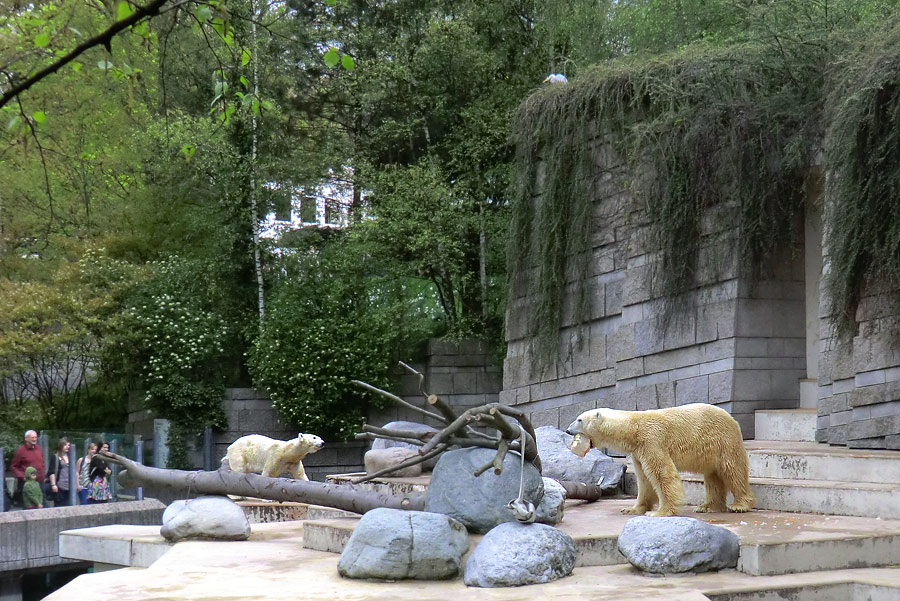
(636, 510)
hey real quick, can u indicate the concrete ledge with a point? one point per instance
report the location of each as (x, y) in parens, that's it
(813, 461)
(117, 545)
(786, 424)
(31, 538)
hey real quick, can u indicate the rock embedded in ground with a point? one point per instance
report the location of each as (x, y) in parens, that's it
(550, 509)
(479, 503)
(385, 443)
(378, 459)
(392, 544)
(671, 545)
(209, 517)
(558, 462)
(515, 554)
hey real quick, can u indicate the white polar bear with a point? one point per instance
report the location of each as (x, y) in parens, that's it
(698, 438)
(260, 454)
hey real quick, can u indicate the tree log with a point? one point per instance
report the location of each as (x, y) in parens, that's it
(225, 482)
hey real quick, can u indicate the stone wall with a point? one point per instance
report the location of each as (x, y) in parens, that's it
(859, 378)
(737, 341)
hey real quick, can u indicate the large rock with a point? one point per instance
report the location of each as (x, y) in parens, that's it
(560, 463)
(515, 554)
(210, 517)
(376, 460)
(550, 509)
(670, 545)
(393, 544)
(384, 443)
(479, 503)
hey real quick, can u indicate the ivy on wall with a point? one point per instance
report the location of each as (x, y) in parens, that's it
(700, 128)
(737, 127)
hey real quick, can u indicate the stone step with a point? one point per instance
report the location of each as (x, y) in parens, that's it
(771, 542)
(795, 425)
(862, 499)
(815, 461)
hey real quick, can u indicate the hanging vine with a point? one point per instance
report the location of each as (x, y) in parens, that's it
(702, 128)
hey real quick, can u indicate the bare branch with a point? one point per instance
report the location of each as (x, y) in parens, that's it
(397, 399)
(406, 463)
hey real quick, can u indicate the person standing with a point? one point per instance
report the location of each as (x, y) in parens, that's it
(33, 497)
(58, 475)
(27, 455)
(83, 469)
(99, 492)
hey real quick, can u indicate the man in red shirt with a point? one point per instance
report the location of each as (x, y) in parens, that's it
(27, 455)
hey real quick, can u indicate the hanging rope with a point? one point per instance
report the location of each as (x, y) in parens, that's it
(521, 508)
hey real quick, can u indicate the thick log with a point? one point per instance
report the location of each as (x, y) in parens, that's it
(225, 482)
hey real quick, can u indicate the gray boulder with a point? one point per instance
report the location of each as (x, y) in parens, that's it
(378, 459)
(383, 443)
(515, 554)
(550, 509)
(479, 503)
(210, 517)
(392, 544)
(560, 463)
(671, 545)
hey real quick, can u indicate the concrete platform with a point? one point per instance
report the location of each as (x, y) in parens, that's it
(273, 566)
(771, 542)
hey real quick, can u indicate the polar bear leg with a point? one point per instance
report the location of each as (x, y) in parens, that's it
(662, 474)
(273, 467)
(737, 479)
(715, 494)
(647, 497)
(298, 472)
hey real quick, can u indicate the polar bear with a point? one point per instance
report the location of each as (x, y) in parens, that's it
(698, 438)
(260, 454)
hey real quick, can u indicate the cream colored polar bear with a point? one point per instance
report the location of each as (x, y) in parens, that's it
(260, 454)
(698, 438)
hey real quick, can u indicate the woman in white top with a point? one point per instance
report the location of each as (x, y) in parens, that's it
(83, 469)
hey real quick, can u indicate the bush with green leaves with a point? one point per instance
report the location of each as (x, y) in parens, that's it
(173, 344)
(327, 322)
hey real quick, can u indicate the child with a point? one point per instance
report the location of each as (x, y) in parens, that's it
(31, 493)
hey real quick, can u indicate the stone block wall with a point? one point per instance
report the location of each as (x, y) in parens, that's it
(462, 373)
(737, 342)
(859, 377)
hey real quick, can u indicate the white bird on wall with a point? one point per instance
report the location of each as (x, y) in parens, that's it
(556, 78)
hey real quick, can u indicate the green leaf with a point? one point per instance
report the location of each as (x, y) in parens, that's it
(330, 2)
(104, 65)
(39, 117)
(76, 66)
(41, 39)
(347, 62)
(254, 106)
(188, 151)
(245, 57)
(203, 13)
(331, 57)
(123, 10)
(267, 105)
(244, 82)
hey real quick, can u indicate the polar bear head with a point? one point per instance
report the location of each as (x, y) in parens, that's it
(587, 423)
(312, 442)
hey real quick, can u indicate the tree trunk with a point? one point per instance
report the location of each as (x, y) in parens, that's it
(225, 482)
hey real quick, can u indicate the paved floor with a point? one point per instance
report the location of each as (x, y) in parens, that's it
(273, 565)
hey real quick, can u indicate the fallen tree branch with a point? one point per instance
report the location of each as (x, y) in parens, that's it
(397, 399)
(224, 482)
